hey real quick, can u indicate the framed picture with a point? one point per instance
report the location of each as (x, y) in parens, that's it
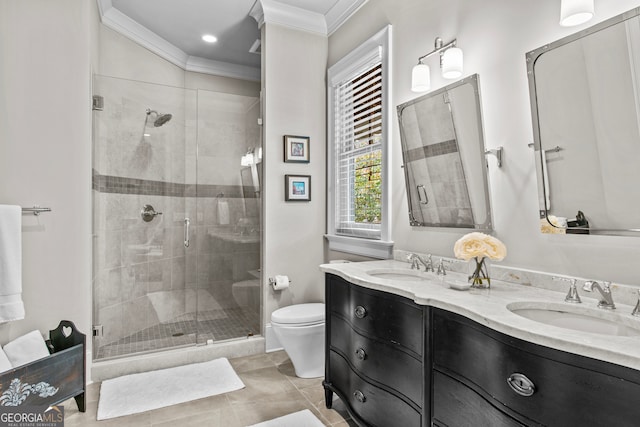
(297, 188)
(296, 149)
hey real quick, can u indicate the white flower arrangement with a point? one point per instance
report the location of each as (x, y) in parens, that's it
(479, 245)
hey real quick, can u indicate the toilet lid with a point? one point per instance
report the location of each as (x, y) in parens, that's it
(299, 313)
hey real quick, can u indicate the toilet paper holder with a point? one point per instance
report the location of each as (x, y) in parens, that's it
(272, 281)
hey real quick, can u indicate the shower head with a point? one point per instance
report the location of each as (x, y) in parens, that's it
(160, 118)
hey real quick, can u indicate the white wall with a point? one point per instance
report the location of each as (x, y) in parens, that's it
(494, 35)
(294, 67)
(45, 155)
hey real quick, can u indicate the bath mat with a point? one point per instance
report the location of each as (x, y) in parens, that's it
(297, 419)
(132, 394)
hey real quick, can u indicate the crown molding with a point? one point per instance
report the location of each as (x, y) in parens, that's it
(341, 12)
(119, 22)
(218, 68)
(274, 12)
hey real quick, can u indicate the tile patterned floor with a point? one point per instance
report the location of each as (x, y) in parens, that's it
(272, 390)
(217, 325)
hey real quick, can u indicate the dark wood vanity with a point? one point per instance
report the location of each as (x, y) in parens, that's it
(399, 364)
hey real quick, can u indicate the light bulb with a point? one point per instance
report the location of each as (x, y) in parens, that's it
(575, 12)
(420, 78)
(452, 62)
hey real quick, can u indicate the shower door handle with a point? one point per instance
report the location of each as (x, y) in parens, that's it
(422, 194)
(187, 223)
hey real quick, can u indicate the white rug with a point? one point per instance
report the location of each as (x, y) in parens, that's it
(142, 392)
(297, 419)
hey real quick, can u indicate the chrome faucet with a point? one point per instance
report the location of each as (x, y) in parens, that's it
(636, 310)
(605, 292)
(572, 296)
(416, 260)
(441, 270)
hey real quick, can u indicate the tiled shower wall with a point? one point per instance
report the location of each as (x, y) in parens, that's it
(433, 161)
(143, 275)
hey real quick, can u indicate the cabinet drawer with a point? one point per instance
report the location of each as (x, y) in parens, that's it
(457, 405)
(387, 317)
(376, 407)
(570, 390)
(379, 362)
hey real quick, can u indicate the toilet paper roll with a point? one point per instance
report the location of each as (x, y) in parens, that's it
(280, 282)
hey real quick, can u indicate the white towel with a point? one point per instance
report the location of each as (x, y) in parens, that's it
(223, 212)
(11, 305)
(26, 349)
(5, 365)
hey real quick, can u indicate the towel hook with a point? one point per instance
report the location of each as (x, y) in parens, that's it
(496, 152)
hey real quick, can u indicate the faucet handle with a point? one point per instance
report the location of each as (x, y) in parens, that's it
(572, 295)
(441, 270)
(636, 310)
(413, 258)
(429, 264)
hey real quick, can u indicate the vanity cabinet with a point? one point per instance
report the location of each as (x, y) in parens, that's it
(483, 377)
(375, 354)
(399, 364)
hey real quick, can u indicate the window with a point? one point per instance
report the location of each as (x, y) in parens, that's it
(359, 93)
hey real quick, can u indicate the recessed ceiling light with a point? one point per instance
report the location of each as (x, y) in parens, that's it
(209, 38)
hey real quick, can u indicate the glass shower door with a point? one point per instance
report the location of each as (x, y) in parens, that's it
(227, 226)
(144, 145)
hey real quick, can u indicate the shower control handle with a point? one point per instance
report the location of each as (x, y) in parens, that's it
(148, 213)
(187, 223)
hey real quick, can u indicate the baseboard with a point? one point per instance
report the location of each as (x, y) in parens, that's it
(271, 341)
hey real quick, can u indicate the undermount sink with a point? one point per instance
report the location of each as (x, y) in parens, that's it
(400, 274)
(577, 318)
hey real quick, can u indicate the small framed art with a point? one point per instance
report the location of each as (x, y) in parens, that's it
(297, 188)
(296, 149)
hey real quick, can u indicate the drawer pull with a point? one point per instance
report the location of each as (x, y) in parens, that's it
(521, 385)
(359, 396)
(361, 354)
(361, 312)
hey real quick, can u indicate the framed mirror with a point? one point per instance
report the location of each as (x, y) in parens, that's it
(585, 100)
(443, 158)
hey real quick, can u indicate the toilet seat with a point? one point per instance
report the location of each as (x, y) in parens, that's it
(299, 315)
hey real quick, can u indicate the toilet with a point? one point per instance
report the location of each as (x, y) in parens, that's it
(300, 330)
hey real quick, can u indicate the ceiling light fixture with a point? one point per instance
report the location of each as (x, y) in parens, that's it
(575, 12)
(451, 63)
(209, 38)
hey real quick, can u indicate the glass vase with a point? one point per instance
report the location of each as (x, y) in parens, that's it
(479, 273)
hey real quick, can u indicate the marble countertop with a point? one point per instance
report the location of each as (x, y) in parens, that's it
(489, 307)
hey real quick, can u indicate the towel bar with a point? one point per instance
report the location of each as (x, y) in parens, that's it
(36, 210)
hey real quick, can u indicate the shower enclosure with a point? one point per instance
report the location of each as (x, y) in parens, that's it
(176, 217)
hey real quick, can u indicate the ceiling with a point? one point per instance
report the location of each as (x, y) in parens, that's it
(173, 28)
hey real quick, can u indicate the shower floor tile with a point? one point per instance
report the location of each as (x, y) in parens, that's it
(216, 325)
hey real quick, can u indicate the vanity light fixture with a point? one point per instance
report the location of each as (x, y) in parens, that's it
(575, 12)
(209, 38)
(451, 62)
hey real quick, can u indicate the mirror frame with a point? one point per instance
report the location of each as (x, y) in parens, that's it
(474, 81)
(531, 58)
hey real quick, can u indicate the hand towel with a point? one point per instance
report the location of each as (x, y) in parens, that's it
(223, 212)
(26, 349)
(5, 365)
(11, 305)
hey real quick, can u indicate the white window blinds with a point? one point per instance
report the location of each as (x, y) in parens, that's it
(358, 153)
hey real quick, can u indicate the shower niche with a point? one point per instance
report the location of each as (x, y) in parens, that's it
(163, 280)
